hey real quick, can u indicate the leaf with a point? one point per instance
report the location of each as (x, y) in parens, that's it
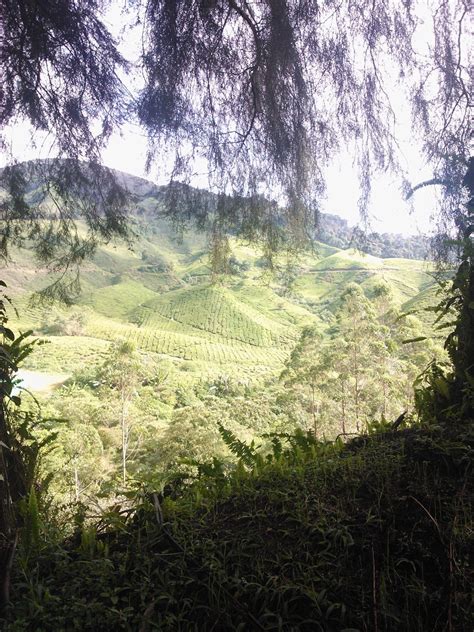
(442, 386)
(8, 333)
(408, 313)
(240, 449)
(418, 339)
(446, 325)
(470, 379)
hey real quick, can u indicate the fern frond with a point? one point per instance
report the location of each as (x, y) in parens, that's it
(245, 453)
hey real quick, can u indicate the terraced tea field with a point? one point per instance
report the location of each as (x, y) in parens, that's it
(188, 346)
(205, 323)
(214, 310)
(158, 295)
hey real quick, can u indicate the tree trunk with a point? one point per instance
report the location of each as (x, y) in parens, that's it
(343, 404)
(313, 409)
(356, 401)
(125, 433)
(356, 388)
(76, 482)
(124, 449)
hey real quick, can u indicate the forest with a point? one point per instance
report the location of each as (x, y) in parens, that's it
(172, 348)
(222, 408)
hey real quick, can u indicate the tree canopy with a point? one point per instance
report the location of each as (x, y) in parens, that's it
(262, 92)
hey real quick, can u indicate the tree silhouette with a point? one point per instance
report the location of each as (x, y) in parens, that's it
(264, 92)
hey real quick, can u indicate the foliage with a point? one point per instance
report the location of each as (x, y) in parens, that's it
(238, 324)
(446, 393)
(275, 128)
(19, 452)
(313, 79)
(66, 324)
(59, 73)
(297, 533)
(374, 534)
(173, 407)
(335, 231)
(359, 371)
(81, 82)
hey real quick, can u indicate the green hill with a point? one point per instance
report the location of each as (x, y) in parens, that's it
(176, 311)
(158, 294)
(117, 300)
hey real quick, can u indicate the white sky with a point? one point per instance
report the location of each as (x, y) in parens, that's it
(389, 212)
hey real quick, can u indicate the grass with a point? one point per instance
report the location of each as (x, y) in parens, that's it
(64, 354)
(217, 311)
(187, 345)
(349, 259)
(375, 535)
(118, 300)
(325, 281)
(206, 323)
(426, 298)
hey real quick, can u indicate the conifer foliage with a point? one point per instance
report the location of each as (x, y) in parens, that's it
(263, 92)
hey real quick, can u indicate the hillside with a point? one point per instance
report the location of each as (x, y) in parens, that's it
(375, 535)
(335, 231)
(159, 294)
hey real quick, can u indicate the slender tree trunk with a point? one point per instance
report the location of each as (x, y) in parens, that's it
(7, 555)
(356, 378)
(125, 436)
(7, 518)
(356, 400)
(313, 409)
(124, 448)
(343, 403)
(76, 482)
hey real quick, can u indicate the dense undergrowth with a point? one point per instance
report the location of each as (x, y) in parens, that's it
(374, 534)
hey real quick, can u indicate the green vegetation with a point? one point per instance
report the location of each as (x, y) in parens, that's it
(160, 297)
(196, 471)
(309, 348)
(372, 535)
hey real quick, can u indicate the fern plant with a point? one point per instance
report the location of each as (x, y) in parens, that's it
(245, 453)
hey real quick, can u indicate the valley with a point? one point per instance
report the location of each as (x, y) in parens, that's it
(157, 349)
(160, 295)
(230, 399)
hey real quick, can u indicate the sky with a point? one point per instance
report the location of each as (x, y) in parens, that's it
(388, 211)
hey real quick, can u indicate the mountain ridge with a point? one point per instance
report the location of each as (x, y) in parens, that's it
(332, 229)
